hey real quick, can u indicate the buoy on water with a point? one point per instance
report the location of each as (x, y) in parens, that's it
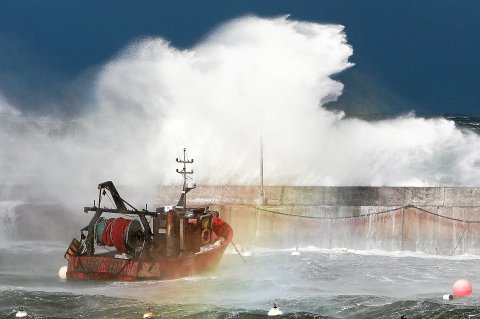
(21, 313)
(149, 314)
(447, 297)
(462, 288)
(62, 272)
(296, 252)
(275, 311)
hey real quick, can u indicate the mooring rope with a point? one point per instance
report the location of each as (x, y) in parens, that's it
(422, 210)
(331, 218)
(446, 217)
(461, 237)
(465, 222)
(366, 215)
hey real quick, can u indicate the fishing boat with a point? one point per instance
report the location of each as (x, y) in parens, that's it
(125, 243)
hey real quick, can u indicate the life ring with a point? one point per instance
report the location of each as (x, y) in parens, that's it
(205, 236)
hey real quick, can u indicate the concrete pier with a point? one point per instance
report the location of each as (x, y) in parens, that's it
(434, 220)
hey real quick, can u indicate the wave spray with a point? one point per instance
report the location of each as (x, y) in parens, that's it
(251, 79)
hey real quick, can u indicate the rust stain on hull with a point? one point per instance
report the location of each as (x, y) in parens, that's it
(110, 268)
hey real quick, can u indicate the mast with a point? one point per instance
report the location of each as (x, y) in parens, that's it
(184, 172)
(262, 191)
(182, 203)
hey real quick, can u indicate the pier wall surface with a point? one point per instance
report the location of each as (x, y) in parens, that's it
(434, 220)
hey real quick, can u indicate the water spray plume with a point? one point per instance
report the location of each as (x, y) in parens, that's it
(252, 77)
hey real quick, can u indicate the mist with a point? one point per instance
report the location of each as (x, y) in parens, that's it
(251, 80)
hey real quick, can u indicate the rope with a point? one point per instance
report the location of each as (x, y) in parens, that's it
(326, 218)
(446, 217)
(111, 201)
(367, 215)
(238, 252)
(465, 222)
(464, 229)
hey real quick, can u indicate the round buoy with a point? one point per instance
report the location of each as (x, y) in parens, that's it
(21, 313)
(462, 288)
(275, 311)
(62, 272)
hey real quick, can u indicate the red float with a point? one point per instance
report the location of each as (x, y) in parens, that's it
(462, 288)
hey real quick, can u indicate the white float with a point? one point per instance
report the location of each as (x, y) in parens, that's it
(21, 313)
(447, 297)
(275, 311)
(62, 272)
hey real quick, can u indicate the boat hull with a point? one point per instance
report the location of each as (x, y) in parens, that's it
(110, 268)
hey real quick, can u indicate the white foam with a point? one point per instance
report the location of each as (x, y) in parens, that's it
(263, 251)
(7, 219)
(252, 77)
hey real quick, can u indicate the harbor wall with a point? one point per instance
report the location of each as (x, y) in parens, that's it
(434, 220)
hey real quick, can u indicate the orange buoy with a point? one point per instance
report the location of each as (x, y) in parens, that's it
(462, 288)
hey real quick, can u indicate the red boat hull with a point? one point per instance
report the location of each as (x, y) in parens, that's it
(110, 268)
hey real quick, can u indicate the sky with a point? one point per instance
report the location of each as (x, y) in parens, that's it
(419, 56)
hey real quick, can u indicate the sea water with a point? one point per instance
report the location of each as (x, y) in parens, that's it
(319, 283)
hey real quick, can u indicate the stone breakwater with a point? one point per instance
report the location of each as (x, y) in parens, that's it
(434, 220)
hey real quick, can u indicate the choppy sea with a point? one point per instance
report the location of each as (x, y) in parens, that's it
(319, 283)
(469, 122)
